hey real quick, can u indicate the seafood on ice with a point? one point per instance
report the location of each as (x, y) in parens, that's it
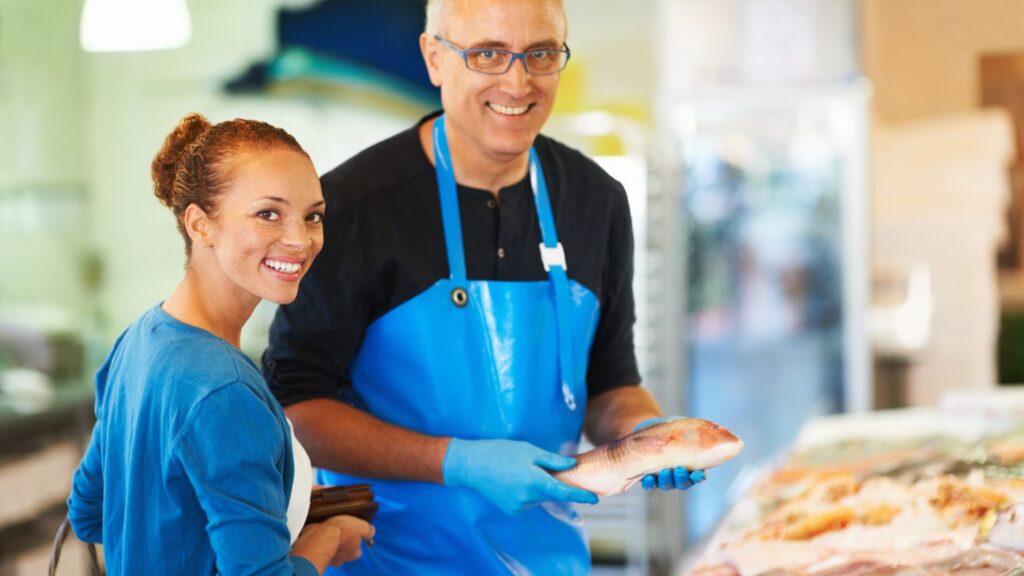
(1008, 530)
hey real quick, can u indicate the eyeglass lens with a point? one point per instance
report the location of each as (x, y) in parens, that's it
(498, 61)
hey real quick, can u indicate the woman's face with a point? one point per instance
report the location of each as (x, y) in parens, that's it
(268, 224)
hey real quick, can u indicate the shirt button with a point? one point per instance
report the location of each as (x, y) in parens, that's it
(501, 252)
(492, 204)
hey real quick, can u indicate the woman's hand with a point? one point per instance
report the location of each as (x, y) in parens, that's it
(333, 542)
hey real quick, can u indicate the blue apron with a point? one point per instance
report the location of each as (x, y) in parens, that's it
(477, 359)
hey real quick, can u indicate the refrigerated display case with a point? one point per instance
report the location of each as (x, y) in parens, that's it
(935, 490)
(769, 190)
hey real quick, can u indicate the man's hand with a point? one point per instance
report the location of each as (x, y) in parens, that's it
(678, 478)
(513, 475)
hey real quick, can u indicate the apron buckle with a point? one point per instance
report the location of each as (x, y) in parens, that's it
(552, 256)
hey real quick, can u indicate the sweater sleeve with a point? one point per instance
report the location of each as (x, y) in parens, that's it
(303, 567)
(231, 450)
(85, 505)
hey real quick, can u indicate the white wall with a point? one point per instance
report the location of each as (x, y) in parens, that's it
(42, 169)
(135, 100)
(716, 42)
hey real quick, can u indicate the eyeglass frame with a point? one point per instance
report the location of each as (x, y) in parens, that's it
(464, 52)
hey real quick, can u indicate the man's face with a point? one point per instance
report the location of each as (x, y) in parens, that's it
(499, 115)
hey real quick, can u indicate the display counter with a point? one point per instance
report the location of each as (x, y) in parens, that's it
(39, 451)
(916, 491)
(69, 408)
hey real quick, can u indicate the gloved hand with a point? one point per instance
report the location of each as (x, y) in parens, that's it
(678, 478)
(511, 474)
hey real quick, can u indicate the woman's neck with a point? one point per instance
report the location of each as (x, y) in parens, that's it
(212, 304)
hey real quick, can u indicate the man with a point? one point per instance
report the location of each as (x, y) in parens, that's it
(441, 315)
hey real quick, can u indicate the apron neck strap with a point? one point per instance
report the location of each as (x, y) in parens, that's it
(551, 250)
(542, 201)
(449, 203)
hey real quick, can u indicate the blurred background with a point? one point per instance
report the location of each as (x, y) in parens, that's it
(828, 201)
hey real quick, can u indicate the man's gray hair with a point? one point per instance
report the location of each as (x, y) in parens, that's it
(434, 8)
(435, 15)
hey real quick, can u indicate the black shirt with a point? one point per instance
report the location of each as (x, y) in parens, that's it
(384, 245)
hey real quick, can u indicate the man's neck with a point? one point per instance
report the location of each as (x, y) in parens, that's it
(475, 168)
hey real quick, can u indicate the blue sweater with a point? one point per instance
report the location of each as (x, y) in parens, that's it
(190, 465)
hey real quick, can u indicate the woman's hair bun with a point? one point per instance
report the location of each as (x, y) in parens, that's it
(194, 164)
(168, 161)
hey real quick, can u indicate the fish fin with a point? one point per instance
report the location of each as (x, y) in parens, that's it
(632, 481)
(648, 440)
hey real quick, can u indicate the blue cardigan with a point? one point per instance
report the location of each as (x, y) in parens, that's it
(190, 466)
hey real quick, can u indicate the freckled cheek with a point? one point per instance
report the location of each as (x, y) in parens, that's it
(236, 244)
(256, 245)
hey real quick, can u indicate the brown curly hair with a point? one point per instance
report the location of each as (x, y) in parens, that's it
(192, 166)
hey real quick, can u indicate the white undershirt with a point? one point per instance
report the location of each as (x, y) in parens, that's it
(302, 486)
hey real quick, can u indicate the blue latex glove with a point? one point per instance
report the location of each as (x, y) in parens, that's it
(678, 478)
(513, 475)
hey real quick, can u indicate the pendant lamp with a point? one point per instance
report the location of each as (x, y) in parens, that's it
(134, 25)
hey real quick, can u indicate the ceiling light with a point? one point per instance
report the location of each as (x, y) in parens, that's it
(134, 25)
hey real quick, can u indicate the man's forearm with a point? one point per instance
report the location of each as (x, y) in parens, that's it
(342, 438)
(615, 413)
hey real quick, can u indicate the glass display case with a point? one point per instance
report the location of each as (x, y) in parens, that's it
(46, 307)
(772, 202)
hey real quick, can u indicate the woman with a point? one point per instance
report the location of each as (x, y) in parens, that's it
(192, 463)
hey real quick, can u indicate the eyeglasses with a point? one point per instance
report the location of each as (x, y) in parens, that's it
(497, 61)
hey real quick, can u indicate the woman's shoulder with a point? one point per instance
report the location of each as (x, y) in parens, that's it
(185, 362)
(223, 385)
(178, 381)
(208, 364)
